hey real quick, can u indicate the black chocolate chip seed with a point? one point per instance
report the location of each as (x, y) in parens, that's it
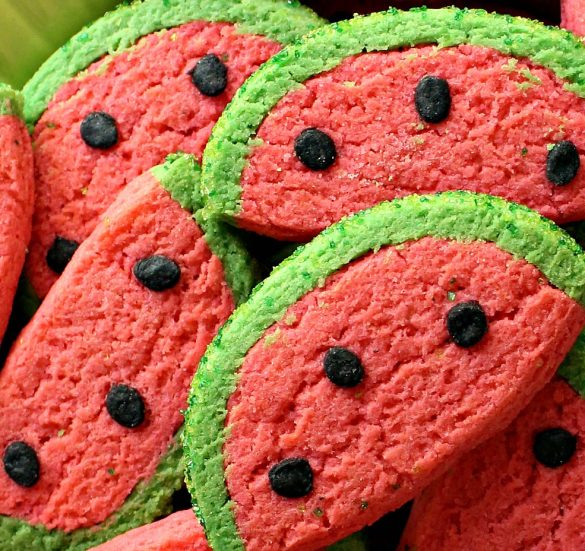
(291, 478)
(432, 99)
(22, 464)
(60, 254)
(210, 75)
(554, 447)
(125, 406)
(562, 163)
(343, 367)
(98, 130)
(467, 323)
(157, 272)
(315, 149)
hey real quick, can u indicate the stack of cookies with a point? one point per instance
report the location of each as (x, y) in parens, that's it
(422, 342)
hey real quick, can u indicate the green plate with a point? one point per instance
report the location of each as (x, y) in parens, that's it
(32, 30)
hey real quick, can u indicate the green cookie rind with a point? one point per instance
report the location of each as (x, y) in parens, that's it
(459, 215)
(11, 101)
(234, 135)
(280, 20)
(179, 175)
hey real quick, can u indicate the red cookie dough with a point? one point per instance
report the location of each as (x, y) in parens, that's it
(505, 116)
(500, 497)
(157, 109)
(16, 206)
(573, 15)
(179, 532)
(423, 402)
(99, 327)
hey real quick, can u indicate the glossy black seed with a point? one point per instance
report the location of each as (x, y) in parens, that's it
(22, 464)
(60, 253)
(291, 478)
(210, 75)
(467, 323)
(157, 272)
(562, 163)
(315, 149)
(432, 99)
(125, 406)
(343, 367)
(554, 447)
(98, 130)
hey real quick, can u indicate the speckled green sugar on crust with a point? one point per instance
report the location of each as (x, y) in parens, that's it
(458, 215)
(233, 137)
(179, 175)
(11, 102)
(280, 20)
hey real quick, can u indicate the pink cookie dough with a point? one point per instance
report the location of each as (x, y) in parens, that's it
(423, 402)
(500, 497)
(178, 532)
(16, 206)
(99, 327)
(505, 115)
(157, 109)
(573, 16)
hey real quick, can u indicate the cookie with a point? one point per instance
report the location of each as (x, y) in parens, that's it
(397, 103)
(92, 392)
(178, 532)
(16, 197)
(521, 490)
(573, 15)
(371, 360)
(182, 532)
(144, 81)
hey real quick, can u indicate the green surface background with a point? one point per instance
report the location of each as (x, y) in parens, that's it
(31, 30)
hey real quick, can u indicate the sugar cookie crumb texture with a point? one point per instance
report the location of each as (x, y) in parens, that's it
(431, 249)
(103, 433)
(480, 112)
(501, 496)
(16, 197)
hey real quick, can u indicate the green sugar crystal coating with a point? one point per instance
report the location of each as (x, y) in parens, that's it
(11, 101)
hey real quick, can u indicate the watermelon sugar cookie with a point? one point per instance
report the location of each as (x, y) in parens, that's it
(92, 392)
(16, 197)
(370, 361)
(398, 103)
(523, 489)
(144, 81)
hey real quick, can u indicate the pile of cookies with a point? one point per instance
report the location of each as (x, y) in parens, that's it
(314, 271)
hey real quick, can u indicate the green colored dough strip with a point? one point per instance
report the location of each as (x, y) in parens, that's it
(234, 135)
(11, 101)
(279, 20)
(459, 215)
